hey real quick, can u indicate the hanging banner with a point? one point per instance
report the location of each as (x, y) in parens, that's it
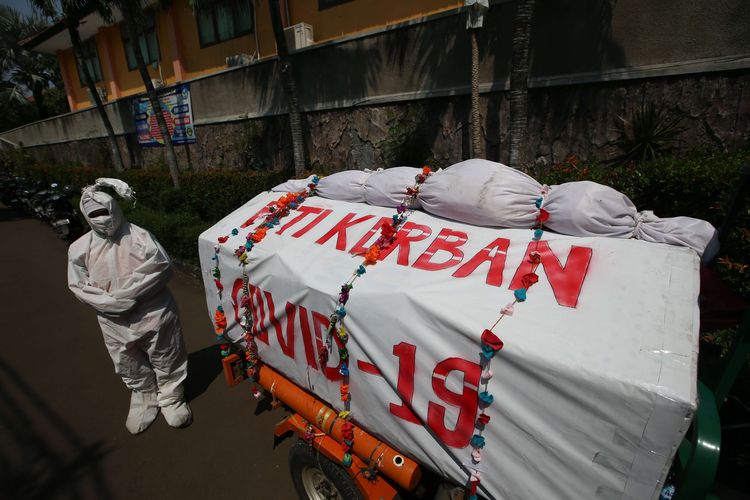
(177, 112)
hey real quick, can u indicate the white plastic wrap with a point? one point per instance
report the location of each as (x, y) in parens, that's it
(586, 208)
(593, 391)
(293, 185)
(486, 193)
(348, 185)
(681, 231)
(482, 192)
(387, 188)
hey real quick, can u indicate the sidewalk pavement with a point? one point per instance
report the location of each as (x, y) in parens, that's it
(62, 408)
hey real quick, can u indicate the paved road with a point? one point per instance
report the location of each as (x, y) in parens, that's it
(62, 408)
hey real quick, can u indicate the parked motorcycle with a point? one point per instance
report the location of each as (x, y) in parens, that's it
(51, 204)
(28, 198)
(57, 209)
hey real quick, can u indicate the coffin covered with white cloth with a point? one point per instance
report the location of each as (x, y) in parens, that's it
(593, 390)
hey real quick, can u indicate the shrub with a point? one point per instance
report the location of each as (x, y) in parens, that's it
(209, 194)
(176, 217)
(177, 232)
(699, 184)
(649, 133)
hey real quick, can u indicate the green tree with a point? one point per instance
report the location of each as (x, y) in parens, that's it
(25, 72)
(71, 12)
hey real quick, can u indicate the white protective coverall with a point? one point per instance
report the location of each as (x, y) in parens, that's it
(121, 270)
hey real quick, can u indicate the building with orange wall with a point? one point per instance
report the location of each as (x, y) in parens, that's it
(187, 44)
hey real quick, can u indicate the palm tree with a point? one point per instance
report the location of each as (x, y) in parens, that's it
(133, 22)
(9, 21)
(24, 70)
(290, 88)
(71, 12)
(474, 21)
(519, 84)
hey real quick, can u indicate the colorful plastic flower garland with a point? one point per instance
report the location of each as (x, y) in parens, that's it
(282, 208)
(388, 232)
(491, 344)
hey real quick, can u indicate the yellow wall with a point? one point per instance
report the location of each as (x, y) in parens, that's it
(202, 61)
(130, 81)
(360, 15)
(344, 19)
(67, 64)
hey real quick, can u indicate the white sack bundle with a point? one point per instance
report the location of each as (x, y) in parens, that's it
(345, 186)
(586, 208)
(387, 188)
(293, 185)
(682, 231)
(483, 193)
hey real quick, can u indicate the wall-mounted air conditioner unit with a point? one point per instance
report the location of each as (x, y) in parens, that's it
(299, 35)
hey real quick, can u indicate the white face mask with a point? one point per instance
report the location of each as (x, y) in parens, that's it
(101, 212)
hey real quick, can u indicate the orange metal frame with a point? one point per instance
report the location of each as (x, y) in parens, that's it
(369, 453)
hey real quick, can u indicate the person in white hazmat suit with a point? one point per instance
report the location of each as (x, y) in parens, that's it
(121, 271)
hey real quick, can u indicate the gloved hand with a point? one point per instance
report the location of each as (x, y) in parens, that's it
(106, 303)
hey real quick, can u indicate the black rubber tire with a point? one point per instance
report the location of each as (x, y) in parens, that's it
(302, 457)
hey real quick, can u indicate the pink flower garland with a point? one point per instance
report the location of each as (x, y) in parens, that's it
(491, 344)
(282, 208)
(388, 233)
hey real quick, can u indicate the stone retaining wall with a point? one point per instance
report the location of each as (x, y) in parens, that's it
(579, 120)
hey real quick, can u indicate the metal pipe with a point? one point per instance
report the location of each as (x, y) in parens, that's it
(400, 469)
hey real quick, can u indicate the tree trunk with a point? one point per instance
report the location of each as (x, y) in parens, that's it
(290, 88)
(38, 94)
(476, 124)
(519, 84)
(153, 98)
(75, 39)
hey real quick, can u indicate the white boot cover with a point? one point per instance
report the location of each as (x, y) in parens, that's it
(143, 411)
(178, 414)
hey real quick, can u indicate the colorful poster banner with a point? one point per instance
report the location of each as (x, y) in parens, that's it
(177, 112)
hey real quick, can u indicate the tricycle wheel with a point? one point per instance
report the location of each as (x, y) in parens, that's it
(317, 478)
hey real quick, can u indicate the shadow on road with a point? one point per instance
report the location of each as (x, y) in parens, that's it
(41, 456)
(203, 367)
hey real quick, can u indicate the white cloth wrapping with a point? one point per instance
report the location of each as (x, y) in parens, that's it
(121, 187)
(486, 193)
(680, 231)
(387, 188)
(483, 193)
(293, 185)
(586, 208)
(121, 271)
(348, 185)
